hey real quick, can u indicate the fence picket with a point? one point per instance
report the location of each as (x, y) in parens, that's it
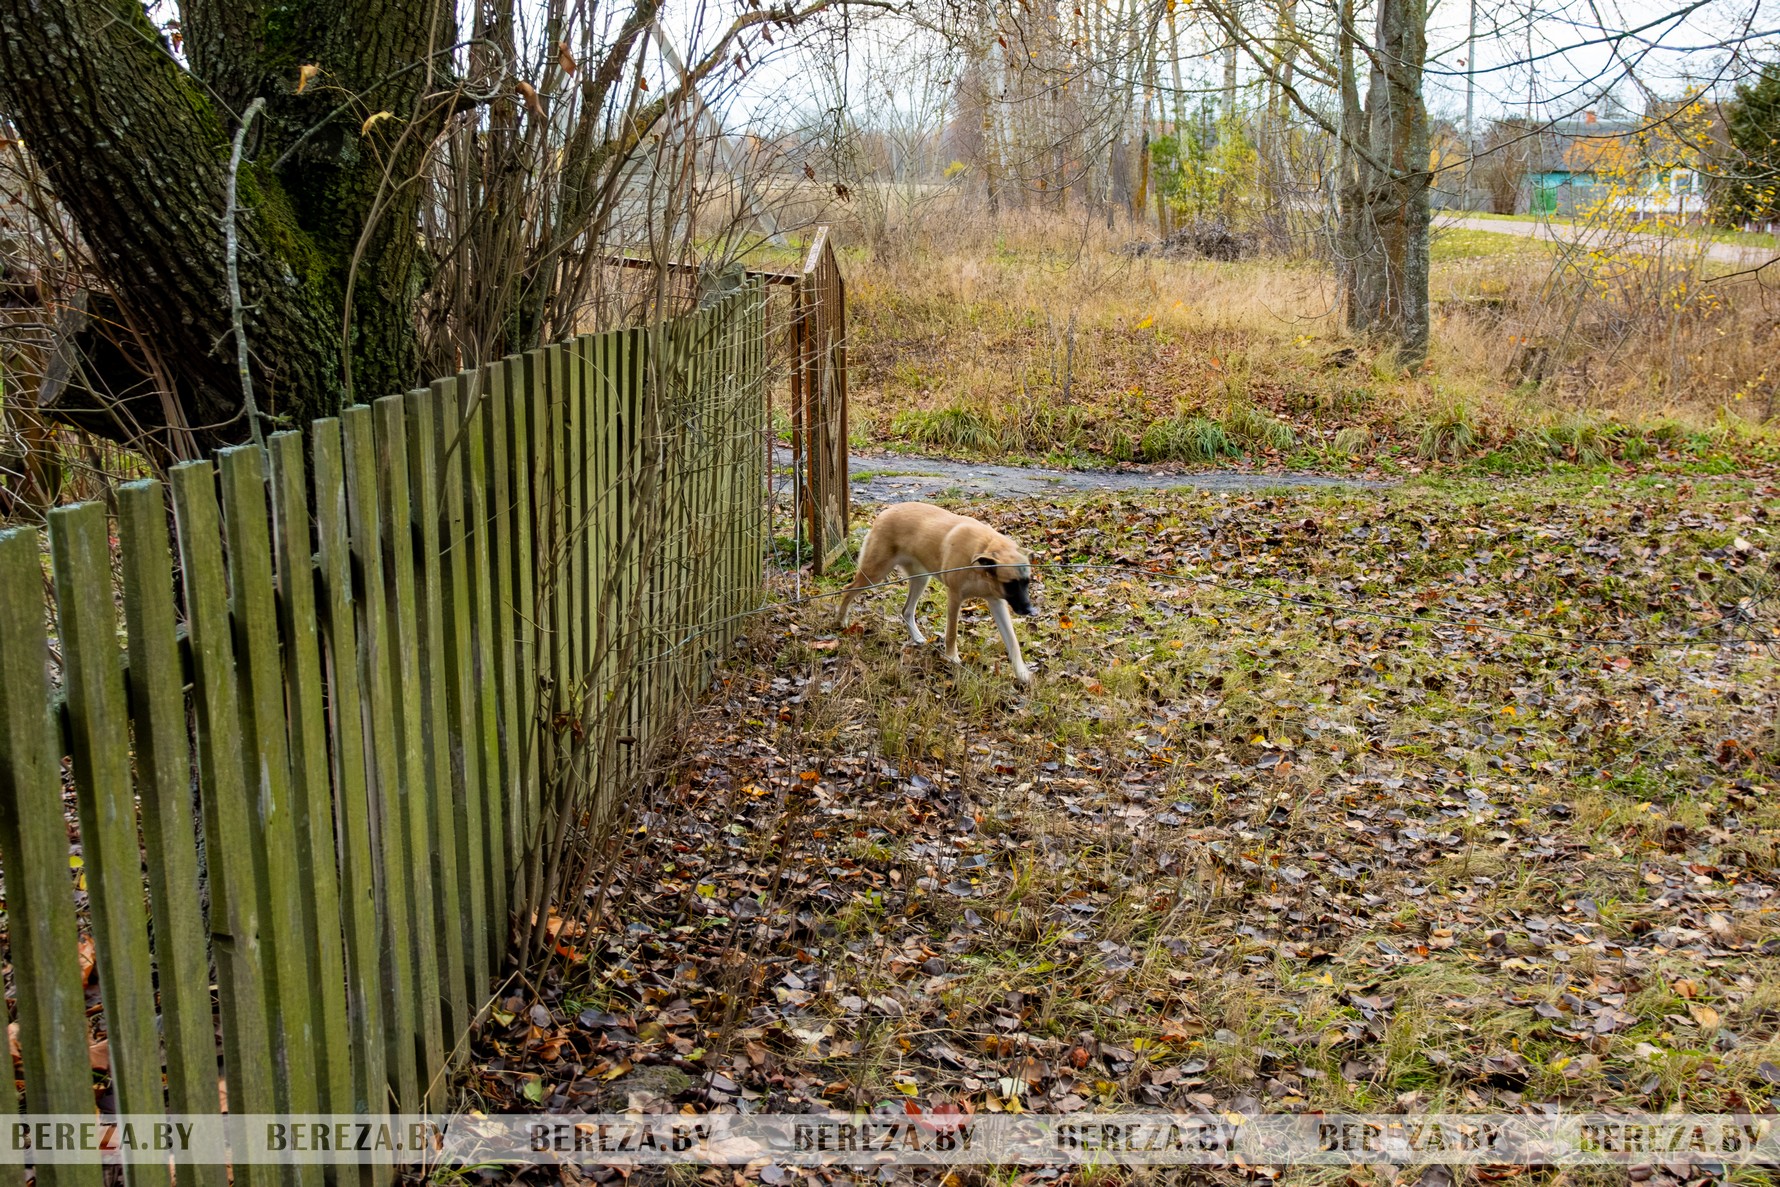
(521, 618)
(540, 577)
(311, 790)
(560, 649)
(237, 922)
(601, 577)
(93, 682)
(380, 673)
(420, 929)
(272, 831)
(34, 847)
(632, 440)
(459, 796)
(348, 706)
(574, 422)
(437, 822)
(623, 566)
(477, 390)
(164, 786)
(503, 641)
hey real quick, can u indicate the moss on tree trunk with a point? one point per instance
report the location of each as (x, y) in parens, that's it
(136, 147)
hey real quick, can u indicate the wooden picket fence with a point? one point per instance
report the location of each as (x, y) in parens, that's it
(408, 655)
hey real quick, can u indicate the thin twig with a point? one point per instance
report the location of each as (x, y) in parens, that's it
(231, 251)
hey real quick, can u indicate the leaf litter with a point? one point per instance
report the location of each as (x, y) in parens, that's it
(1233, 852)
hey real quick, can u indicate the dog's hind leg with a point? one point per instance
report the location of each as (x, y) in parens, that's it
(917, 586)
(1004, 623)
(872, 569)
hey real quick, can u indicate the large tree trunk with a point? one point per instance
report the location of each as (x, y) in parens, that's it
(1383, 233)
(136, 148)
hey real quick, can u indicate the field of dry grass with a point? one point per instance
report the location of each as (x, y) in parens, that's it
(1040, 340)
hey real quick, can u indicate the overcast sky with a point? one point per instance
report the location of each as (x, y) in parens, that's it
(1559, 55)
(1555, 55)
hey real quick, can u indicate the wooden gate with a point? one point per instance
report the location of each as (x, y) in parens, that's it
(819, 402)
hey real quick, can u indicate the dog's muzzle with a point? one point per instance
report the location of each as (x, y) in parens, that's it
(1016, 594)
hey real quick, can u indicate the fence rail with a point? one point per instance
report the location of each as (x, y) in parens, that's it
(333, 772)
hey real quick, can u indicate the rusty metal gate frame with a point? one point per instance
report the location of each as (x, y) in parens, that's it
(821, 498)
(816, 343)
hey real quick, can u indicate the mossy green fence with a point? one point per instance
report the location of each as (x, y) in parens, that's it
(324, 744)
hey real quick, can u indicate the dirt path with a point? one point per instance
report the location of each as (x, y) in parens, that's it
(895, 478)
(1726, 253)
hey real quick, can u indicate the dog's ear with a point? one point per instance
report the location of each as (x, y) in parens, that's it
(987, 561)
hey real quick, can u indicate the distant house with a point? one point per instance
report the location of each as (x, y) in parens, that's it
(1569, 165)
(1564, 162)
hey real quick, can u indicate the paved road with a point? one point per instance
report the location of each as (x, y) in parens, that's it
(896, 478)
(1728, 253)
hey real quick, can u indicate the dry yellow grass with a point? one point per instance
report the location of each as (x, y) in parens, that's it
(1034, 337)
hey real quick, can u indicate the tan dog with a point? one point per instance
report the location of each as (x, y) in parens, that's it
(972, 558)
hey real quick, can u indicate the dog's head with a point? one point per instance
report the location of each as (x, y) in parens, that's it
(1010, 569)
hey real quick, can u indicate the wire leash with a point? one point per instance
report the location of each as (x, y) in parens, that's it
(1431, 618)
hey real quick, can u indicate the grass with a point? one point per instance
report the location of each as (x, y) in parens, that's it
(1239, 853)
(957, 427)
(867, 474)
(1450, 433)
(1033, 338)
(1186, 439)
(1456, 243)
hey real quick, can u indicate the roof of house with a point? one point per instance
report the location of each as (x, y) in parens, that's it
(1551, 145)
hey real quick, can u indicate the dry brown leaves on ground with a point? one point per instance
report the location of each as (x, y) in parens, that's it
(1233, 852)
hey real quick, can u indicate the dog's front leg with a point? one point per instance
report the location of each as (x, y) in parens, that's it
(953, 604)
(917, 586)
(1005, 624)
